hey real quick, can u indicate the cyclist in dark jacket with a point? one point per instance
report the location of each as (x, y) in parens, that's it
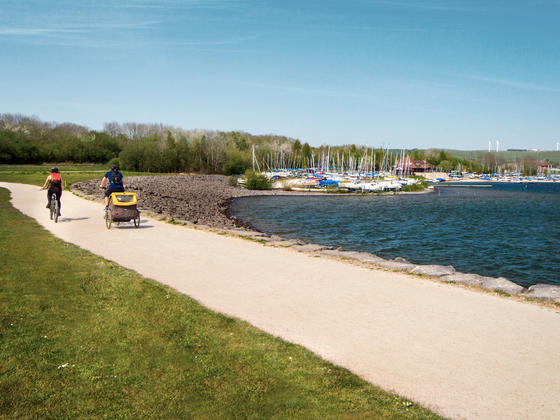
(54, 183)
(115, 180)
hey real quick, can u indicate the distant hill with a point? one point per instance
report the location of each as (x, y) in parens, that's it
(551, 156)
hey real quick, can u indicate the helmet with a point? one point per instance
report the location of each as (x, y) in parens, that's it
(114, 168)
(54, 169)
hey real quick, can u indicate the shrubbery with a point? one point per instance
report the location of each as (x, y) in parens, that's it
(256, 181)
(420, 186)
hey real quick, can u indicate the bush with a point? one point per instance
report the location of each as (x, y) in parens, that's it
(256, 181)
(420, 186)
(114, 161)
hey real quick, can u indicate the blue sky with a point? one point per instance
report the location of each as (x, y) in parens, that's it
(404, 73)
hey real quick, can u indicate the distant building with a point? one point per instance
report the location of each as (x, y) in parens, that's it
(412, 166)
(517, 150)
(422, 166)
(543, 166)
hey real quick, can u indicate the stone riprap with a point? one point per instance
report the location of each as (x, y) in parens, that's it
(310, 248)
(433, 270)
(544, 292)
(502, 284)
(499, 284)
(396, 265)
(462, 278)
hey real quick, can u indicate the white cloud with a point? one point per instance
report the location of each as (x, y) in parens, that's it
(36, 31)
(444, 6)
(509, 83)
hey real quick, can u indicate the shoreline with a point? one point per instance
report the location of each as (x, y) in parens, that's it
(204, 202)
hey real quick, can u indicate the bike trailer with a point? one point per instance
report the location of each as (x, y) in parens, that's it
(124, 199)
(123, 208)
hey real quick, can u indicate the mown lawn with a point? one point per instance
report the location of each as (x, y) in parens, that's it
(71, 173)
(83, 337)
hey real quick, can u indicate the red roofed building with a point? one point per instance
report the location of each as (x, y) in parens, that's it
(409, 166)
(543, 166)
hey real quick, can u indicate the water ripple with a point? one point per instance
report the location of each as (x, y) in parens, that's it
(508, 230)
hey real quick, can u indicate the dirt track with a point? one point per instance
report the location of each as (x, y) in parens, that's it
(463, 353)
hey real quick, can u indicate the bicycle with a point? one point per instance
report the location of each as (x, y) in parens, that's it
(54, 208)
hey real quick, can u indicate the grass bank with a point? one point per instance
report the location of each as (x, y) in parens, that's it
(71, 173)
(83, 337)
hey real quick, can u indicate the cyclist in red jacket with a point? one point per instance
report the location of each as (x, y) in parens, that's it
(54, 183)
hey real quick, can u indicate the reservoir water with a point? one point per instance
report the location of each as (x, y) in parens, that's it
(508, 230)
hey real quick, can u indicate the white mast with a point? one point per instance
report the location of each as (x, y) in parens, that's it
(489, 145)
(497, 145)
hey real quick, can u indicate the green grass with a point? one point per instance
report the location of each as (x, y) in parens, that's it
(71, 173)
(83, 337)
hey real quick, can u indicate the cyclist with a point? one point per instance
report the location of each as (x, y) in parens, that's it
(115, 180)
(54, 183)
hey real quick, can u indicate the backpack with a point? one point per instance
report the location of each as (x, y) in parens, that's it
(116, 178)
(56, 180)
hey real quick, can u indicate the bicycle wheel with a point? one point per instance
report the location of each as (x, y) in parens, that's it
(108, 219)
(55, 210)
(137, 221)
(52, 206)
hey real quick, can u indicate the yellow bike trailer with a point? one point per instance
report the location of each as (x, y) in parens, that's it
(123, 207)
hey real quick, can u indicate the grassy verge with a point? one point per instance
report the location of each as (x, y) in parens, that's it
(36, 174)
(82, 337)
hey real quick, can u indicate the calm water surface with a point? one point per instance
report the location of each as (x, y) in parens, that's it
(509, 230)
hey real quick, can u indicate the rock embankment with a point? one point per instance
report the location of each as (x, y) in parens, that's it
(198, 199)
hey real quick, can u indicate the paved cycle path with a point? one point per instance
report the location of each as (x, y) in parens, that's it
(462, 353)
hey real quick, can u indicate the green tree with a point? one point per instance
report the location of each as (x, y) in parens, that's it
(235, 164)
(305, 154)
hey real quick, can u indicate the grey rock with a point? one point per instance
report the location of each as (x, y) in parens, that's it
(249, 234)
(352, 255)
(332, 252)
(433, 270)
(372, 259)
(401, 259)
(395, 265)
(283, 243)
(501, 284)
(544, 292)
(363, 257)
(466, 279)
(310, 247)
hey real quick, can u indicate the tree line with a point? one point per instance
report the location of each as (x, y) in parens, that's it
(165, 148)
(137, 147)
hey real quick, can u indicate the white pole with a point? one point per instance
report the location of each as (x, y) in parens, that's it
(497, 145)
(558, 146)
(489, 146)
